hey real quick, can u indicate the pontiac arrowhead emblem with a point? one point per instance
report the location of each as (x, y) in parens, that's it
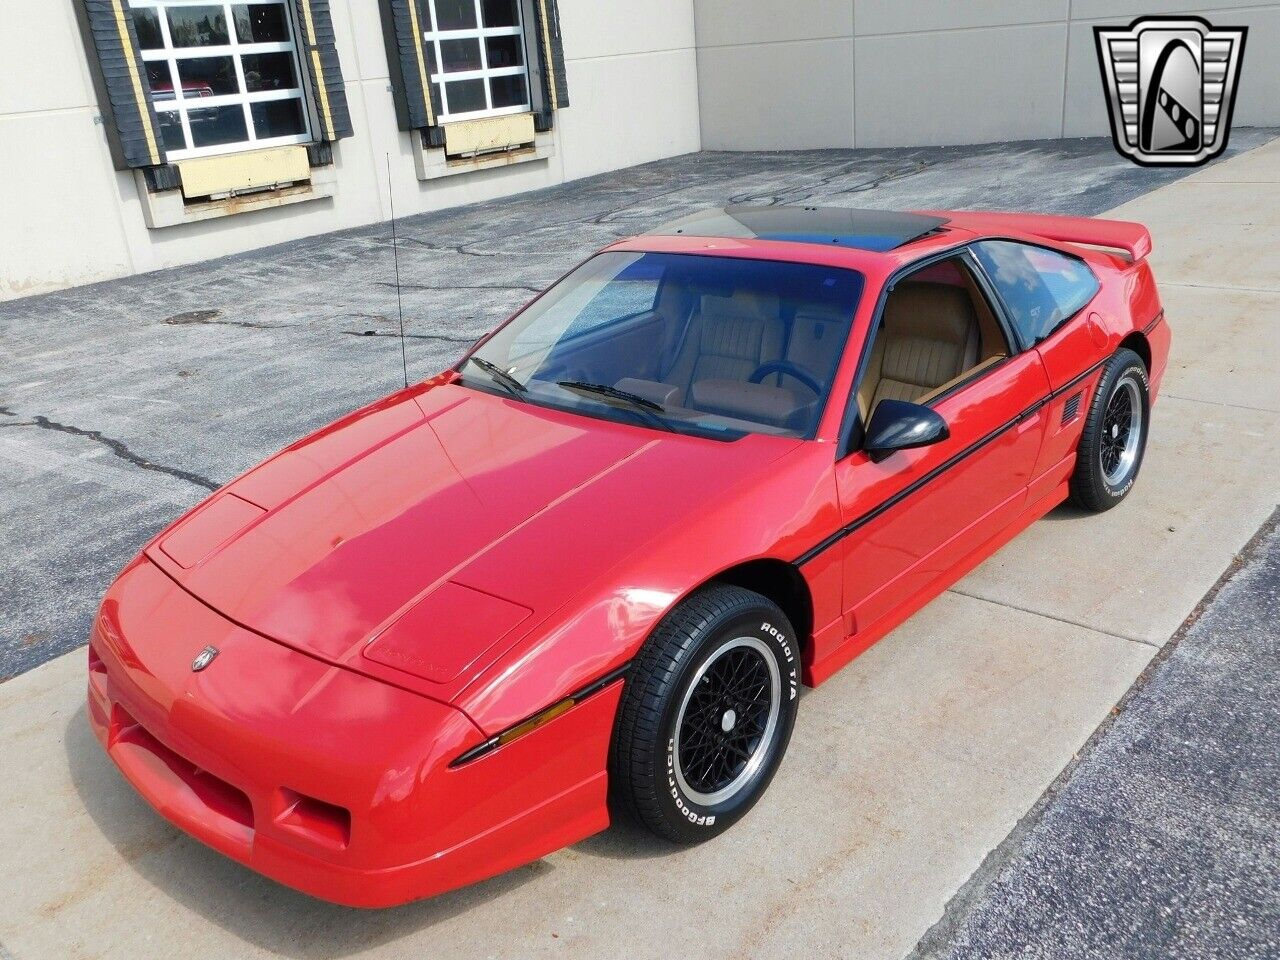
(203, 659)
(1171, 86)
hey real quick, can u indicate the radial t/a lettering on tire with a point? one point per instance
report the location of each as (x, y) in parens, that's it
(1114, 438)
(706, 715)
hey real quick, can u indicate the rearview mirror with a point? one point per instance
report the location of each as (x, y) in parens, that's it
(898, 425)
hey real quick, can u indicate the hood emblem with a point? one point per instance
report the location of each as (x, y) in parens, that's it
(203, 658)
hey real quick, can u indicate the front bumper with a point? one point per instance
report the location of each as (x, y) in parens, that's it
(323, 779)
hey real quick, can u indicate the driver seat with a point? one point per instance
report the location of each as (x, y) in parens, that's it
(728, 338)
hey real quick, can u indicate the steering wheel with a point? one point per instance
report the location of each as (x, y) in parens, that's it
(788, 368)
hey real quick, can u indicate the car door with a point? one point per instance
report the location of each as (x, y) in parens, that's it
(912, 518)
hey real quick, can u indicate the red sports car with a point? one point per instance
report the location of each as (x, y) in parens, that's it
(587, 570)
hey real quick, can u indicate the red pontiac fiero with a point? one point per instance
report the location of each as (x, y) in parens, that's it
(588, 569)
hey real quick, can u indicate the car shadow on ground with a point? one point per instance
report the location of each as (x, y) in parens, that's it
(250, 907)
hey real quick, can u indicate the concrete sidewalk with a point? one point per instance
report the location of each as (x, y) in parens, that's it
(905, 770)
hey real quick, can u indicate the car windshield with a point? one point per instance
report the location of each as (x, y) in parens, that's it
(707, 345)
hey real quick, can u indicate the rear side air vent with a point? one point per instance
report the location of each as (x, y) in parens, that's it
(1071, 409)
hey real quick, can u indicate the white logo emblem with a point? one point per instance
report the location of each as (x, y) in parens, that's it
(1171, 86)
(203, 659)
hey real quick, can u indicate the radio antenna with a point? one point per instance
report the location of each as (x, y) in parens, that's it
(395, 256)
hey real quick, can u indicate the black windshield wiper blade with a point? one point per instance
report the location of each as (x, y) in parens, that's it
(604, 390)
(501, 377)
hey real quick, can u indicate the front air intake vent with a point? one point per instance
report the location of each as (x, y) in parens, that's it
(1071, 409)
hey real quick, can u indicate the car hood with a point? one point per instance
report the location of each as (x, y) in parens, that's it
(420, 532)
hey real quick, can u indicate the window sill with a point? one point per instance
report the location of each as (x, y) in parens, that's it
(168, 208)
(432, 163)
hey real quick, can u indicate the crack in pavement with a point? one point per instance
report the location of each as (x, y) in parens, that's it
(117, 447)
(413, 336)
(213, 318)
(461, 286)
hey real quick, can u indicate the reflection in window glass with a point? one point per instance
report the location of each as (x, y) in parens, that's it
(261, 23)
(198, 26)
(504, 51)
(171, 134)
(147, 25)
(268, 71)
(214, 126)
(465, 96)
(222, 76)
(455, 14)
(501, 13)
(208, 77)
(459, 55)
(508, 91)
(278, 118)
(1041, 288)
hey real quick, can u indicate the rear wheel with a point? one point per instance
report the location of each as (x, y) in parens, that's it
(1114, 438)
(706, 715)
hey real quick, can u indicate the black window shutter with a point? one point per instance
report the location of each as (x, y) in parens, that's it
(319, 54)
(403, 24)
(120, 80)
(546, 67)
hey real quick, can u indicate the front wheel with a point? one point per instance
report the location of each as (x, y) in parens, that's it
(1114, 438)
(706, 715)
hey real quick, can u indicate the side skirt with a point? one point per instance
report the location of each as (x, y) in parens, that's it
(864, 639)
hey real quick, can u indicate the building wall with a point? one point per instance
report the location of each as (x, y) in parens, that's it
(875, 73)
(67, 217)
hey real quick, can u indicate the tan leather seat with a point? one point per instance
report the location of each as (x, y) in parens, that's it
(728, 338)
(929, 337)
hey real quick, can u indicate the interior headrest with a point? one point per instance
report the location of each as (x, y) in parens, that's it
(929, 311)
(742, 304)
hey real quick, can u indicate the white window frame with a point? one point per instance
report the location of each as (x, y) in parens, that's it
(180, 104)
(480, 33)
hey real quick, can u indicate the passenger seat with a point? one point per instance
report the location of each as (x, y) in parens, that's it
(929, 337)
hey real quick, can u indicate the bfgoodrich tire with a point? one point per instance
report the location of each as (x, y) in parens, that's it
(706, 715)
(1114, 438)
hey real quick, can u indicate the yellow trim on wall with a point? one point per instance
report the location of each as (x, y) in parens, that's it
(422, 66)
(139, 94)
(546, 49)
(322, 88)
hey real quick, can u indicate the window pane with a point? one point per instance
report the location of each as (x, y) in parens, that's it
(277, 118)
(465, 96)
(504, 51)
(211, 126)
(460, 55)
(261, 23)
(500, 13)
(455, 14)
(160, 80)
(508, 91)
(171, 130)
(147, 23)
(197, 26)
(268, 71)
(1041, 288)
(208, 77)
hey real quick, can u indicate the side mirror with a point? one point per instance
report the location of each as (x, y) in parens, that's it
(898, 425)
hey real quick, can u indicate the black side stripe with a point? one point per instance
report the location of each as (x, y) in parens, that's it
(889, 504)
(594, 687)
(1152, 325)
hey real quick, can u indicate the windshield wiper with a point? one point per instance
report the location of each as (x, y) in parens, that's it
(632, 401)
(604, 390)
(501, 377)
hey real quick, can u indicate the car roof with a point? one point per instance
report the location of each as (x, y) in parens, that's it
(871, 230)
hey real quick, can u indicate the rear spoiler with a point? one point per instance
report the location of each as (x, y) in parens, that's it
(1133, 238)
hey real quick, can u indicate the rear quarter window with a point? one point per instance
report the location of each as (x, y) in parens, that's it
(1040, 288)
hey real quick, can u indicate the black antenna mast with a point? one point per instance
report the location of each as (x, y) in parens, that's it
(395, 256)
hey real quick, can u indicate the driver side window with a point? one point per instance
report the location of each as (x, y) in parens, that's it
(936, 331)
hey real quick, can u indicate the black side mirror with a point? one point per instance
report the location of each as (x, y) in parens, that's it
(898, 425)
